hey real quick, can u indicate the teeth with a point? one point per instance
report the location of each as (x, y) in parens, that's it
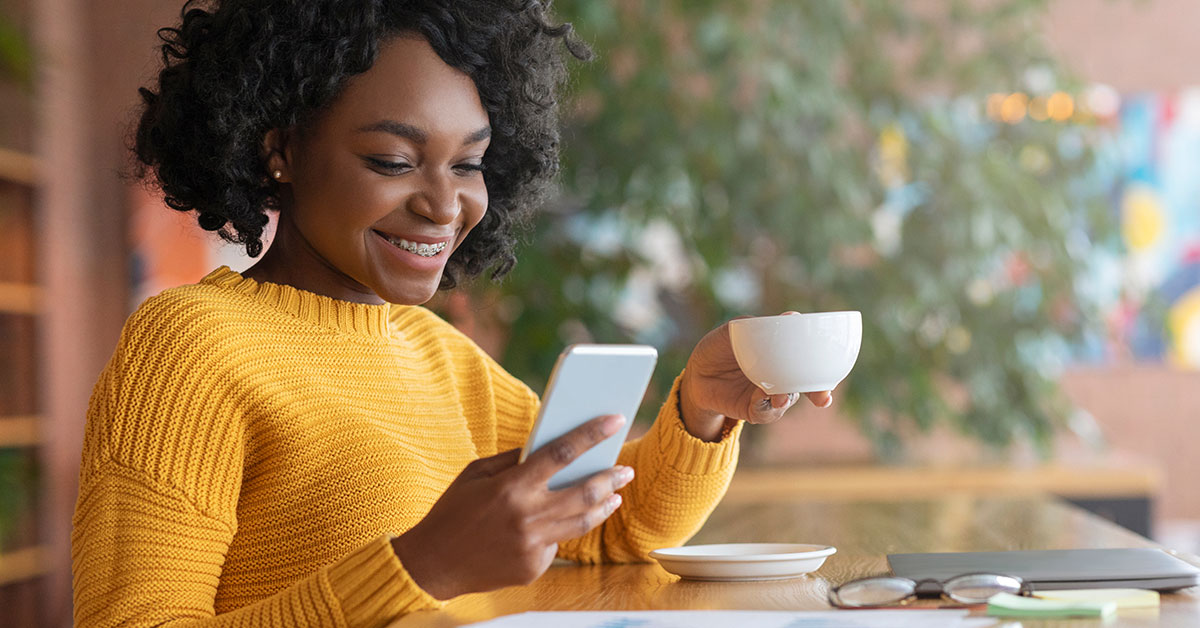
(424, 250)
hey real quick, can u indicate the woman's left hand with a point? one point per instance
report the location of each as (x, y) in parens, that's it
(714, 392)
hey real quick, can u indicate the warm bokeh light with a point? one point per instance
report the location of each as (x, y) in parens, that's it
(1014, 107)
(1038, 109)
(1060, 106)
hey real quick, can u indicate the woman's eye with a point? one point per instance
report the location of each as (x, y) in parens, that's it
(389, 167)
(468, 168)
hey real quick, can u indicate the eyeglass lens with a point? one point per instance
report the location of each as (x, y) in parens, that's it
(873, 592)
(979, 588)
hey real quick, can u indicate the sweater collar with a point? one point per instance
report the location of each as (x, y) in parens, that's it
(345, 316)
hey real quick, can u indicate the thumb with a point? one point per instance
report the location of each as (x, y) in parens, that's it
(487, 467)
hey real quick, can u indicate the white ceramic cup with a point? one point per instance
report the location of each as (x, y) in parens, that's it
(797, 353)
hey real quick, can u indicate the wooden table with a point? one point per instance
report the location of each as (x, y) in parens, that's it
(864, 533)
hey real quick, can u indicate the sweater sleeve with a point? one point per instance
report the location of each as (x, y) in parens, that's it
(159, 485)
(679, 481)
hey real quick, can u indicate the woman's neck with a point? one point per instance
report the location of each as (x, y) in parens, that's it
(292, 261)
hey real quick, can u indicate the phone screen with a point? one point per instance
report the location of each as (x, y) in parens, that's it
(590, 381)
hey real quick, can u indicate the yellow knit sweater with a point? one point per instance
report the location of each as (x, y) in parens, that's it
(252, 448)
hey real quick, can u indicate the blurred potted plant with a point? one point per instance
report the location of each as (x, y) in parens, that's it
(749, 158)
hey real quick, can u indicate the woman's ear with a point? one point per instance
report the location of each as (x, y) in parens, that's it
(275, 155)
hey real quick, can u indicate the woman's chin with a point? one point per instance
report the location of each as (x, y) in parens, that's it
(408, 293)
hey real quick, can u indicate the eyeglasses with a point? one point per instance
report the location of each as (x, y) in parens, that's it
(971, 588)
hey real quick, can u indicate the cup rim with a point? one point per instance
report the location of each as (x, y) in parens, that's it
(804, 314)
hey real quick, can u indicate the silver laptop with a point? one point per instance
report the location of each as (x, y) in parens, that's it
(1141, 568)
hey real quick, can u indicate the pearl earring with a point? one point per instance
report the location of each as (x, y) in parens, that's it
(278, 174)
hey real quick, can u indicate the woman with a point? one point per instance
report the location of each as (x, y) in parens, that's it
(303, 444)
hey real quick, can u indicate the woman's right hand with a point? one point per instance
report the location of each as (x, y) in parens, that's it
(498, 524)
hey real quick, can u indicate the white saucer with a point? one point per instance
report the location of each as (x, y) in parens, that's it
(731, 562)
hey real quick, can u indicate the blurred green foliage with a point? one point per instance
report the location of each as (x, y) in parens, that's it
(18, 472)
(16, 56)
(726, 158)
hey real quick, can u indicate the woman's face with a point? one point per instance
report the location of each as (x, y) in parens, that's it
(386, 183)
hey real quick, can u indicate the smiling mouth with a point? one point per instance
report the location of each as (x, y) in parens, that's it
(417, 248)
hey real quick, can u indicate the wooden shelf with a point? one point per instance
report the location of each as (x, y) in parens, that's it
(19, 298)
(17, 167)
(19, 431)
(22, 564)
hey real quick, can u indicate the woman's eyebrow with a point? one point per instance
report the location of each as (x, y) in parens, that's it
(419, 136)
(478, 136)
(400, 129)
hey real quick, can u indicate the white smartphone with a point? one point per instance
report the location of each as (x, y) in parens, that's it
(590, 381)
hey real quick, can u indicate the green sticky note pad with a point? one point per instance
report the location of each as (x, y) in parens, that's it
(1008, 605)
(1124, 598)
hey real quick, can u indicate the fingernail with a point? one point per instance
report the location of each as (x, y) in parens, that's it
(828, 401)
(625, 475)
(613, 502)
(792, 399)
(612, 424)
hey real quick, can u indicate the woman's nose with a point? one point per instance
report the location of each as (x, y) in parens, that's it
(437, 199)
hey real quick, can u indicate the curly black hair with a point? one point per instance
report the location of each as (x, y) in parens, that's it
(235, 69)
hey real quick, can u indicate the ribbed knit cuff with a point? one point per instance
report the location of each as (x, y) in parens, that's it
(686, 453)
(373, 587)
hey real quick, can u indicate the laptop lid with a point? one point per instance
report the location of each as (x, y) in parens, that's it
(1142, 568)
